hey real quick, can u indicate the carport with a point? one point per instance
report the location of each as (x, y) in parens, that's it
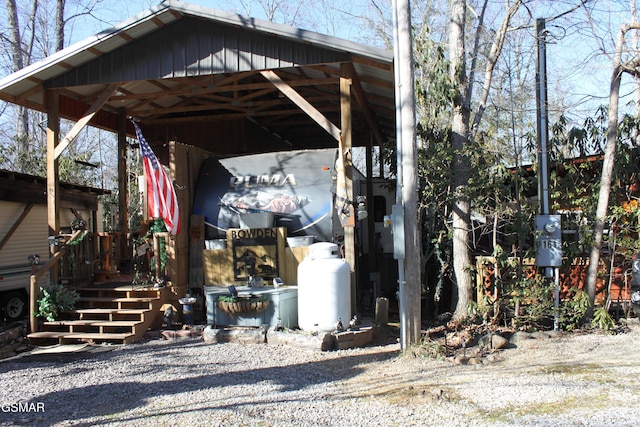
(201, 80)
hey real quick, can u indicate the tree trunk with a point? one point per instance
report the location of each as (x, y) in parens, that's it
(14, 34)
(460, 168)
(60, 25)
(607, 165)
(17, 55)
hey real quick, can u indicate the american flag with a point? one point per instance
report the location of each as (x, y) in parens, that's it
(161, 196)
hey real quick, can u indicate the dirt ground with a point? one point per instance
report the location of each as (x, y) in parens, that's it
(562, 379)
(586, 378)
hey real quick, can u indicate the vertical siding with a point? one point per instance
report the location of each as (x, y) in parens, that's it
(195, 47)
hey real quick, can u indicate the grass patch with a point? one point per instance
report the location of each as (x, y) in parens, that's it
(568, 405)
(420, 394)
(581, 369)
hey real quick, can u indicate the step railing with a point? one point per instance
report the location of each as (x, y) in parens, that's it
(33, 288)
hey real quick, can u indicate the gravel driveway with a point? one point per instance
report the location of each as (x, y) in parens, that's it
(581, 380)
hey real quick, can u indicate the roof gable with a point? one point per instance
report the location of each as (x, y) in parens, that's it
(194, 47)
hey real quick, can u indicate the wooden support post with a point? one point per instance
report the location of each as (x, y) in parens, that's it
(33, 302)
(371, 226)
(344, 146)
(123, 191)
(382, 312)
(53, 182)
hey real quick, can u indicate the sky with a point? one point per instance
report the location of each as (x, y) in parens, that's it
(578, 75)
(332, 20)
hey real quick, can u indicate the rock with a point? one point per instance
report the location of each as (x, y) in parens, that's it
(498, 342)
(12, 333)
(490, 358)
(540, 335)
(519, 337)
(461, 360)
(243, 335)
(492, 342)
(182, 333)
(554, 334)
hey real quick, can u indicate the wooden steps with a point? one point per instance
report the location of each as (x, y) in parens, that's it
(73, 337)
(118, 314)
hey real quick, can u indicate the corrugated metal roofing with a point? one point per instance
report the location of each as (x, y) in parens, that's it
(181, 59)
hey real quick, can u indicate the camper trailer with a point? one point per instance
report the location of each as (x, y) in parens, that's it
(24, 233)
(295, 192)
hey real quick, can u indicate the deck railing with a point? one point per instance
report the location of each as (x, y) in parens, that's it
(33, 288)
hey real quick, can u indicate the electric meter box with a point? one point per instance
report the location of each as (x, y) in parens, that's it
(397, 229)
(549, 241)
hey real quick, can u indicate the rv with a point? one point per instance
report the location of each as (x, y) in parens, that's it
(24, 233)
(296, 190)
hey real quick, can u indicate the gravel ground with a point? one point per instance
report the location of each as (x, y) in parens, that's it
(573, 380)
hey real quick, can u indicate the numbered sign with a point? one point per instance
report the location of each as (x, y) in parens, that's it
(549, 241)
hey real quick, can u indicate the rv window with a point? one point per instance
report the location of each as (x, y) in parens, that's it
(379, 208)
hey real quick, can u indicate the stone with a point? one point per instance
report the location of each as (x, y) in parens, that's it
(498, 342)
(242, 335)
(555, 334)
(492, 342)
(461, 360)
(490, 358)
(540, 335)
(10, 335)
(519, 337)
(182, 333)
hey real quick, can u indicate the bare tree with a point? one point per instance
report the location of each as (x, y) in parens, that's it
(464, 131)
(620, 67)
(20, 54)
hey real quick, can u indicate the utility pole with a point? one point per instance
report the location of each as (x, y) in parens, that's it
(406, 232)
(548, 227)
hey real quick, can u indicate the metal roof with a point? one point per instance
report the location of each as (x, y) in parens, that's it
(178, 62)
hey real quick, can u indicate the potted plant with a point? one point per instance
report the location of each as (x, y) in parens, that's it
(55, 299)
(242, 304)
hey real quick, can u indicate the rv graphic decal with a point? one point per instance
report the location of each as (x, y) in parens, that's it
(294, 186)
(253, 181)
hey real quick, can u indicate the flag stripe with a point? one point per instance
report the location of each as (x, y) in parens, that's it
(161, 196)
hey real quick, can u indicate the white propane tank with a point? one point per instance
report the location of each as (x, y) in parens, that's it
(324, 289)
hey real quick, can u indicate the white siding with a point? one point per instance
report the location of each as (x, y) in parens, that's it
(30, 238)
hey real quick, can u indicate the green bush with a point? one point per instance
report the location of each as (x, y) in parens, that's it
(54, 300)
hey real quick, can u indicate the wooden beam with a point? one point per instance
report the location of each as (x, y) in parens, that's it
(80, 124)
(302, 103)
(15, 225)
(200, 90)
(362, 101)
